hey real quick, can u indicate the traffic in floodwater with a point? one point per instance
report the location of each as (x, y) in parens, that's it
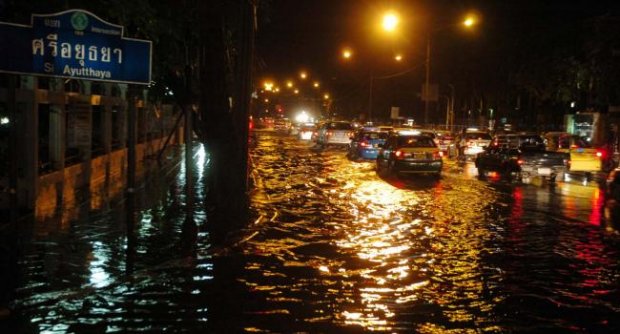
(331, 248)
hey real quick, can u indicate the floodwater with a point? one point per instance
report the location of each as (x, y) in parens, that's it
(331, 248)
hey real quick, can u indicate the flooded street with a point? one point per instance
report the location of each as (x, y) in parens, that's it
(331, 248)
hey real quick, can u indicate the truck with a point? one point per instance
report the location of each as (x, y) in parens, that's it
(522, 156)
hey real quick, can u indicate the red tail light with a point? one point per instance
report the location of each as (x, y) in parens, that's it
(600, 154)
(364, 144)
(520, 162)
(437, 155)
(399, 154)
(440, 154)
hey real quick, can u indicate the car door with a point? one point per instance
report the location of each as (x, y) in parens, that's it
(385, 152)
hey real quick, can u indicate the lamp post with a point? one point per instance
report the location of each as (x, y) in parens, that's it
(468, 22)
(427, 78)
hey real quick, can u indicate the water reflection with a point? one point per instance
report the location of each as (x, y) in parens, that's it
(332, 248)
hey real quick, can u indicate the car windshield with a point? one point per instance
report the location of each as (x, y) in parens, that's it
(373, 135)
(532, 142)
(415, 141)
(574, 142)
(477, 136)
(339, 126)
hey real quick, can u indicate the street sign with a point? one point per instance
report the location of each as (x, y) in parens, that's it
(74, 44)
(394, 112)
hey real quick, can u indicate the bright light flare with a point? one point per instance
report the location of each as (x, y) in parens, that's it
(289, 84)
(470, 21)
(390, 21)
(347, 53)
(302, 117)
(326, 96)
(398, 57)
(268, 86)
(303, 75)
(316, 84)
(296, 91)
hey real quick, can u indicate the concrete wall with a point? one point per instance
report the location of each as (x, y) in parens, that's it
(74, 185)
(72, 138)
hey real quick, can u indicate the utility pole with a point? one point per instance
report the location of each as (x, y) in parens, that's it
(427, 80)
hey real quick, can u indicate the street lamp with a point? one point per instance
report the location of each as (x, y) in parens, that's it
(303, 75)
(468, 23)
(398, 57)
(390, 21)
(347, 53)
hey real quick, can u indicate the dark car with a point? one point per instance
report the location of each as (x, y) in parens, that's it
(409, 152)
(523, 156)
(365, 143)
(611, 208)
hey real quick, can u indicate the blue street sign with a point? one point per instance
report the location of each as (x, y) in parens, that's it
(74, 44)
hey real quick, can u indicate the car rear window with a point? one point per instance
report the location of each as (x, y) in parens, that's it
(415, 141)
(374, 135)
(339, 126)
(477, 136)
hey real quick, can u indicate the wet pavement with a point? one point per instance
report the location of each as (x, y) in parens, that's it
(331, 248)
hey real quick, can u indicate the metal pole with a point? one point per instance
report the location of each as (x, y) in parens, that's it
(13, 151)
(453, 97)
(189, 161)
(372, 78)
(427, 81)
(131, 140)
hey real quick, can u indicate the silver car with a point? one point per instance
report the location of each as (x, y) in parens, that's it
(334, 133)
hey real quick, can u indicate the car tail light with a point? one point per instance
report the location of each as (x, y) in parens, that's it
(364, 143)
(437, 155)
(520, 162)
(600, 154)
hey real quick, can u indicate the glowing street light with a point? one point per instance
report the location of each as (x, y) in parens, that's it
(390, 21)
(303, 75)
(326, 96)
(469, 21)
(316, 84)
(398, 57)
(289, 84)
(268, 86)
(296, 91)
(347, 53)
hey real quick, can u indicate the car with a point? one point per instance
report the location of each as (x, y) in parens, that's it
(471, 142)
(445, 140)
(583, 157)
(611, 206)
(282, 125)
(522, 155)
(365, 143)
(409, 152)
(334, 133)
(306, 131)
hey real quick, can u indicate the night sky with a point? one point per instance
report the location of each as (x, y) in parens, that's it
(310, 33)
